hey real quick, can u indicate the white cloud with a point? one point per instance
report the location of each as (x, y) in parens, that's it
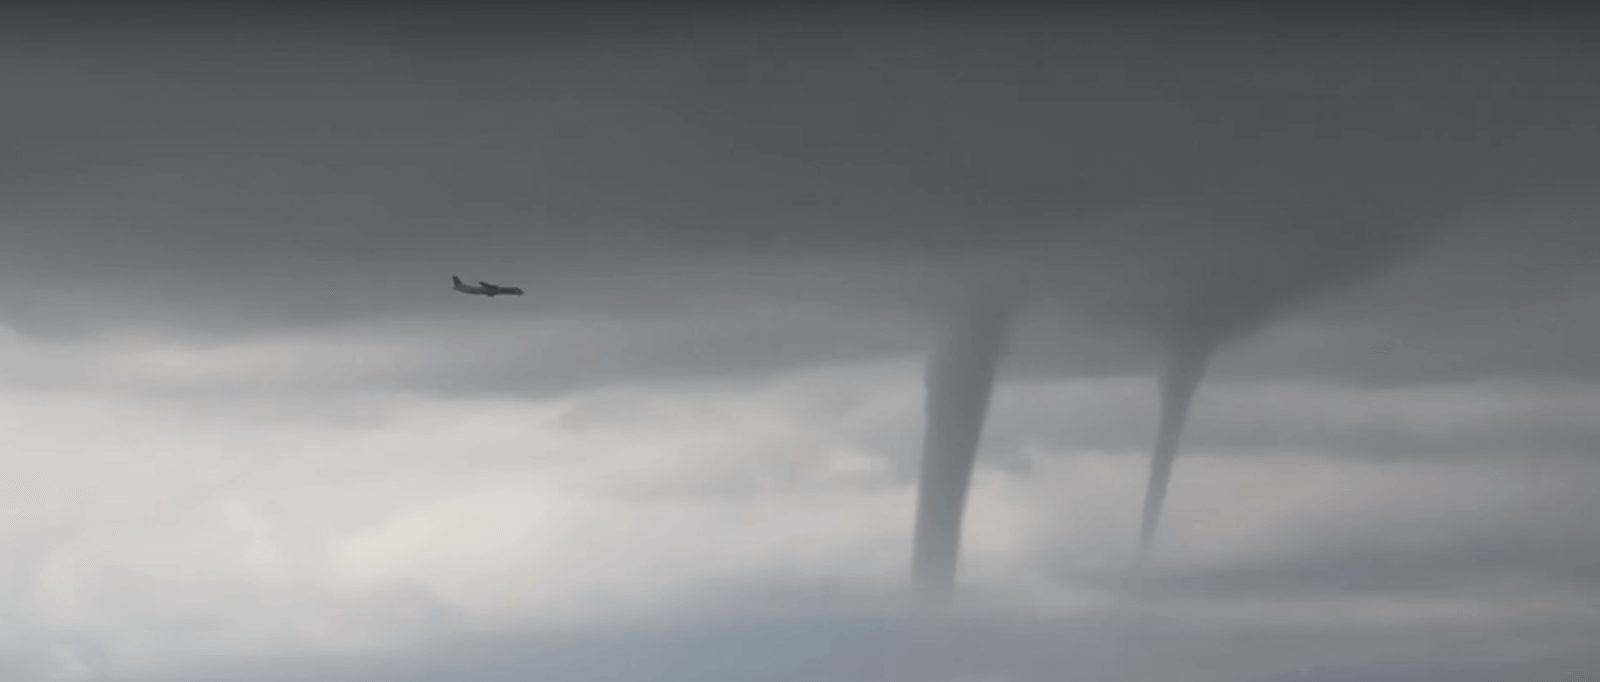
(148, 535)
(166, 532)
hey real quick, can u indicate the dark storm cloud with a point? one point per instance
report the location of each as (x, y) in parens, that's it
(1167, 172)
(1340, 200)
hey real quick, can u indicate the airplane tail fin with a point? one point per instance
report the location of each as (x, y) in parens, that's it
(455, 280)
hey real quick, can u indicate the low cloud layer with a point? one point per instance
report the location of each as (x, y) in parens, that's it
(320, 539)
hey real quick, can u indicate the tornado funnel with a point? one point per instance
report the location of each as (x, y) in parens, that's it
(960, 379)
(1185, 367)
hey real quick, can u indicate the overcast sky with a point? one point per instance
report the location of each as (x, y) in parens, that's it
(251, 434)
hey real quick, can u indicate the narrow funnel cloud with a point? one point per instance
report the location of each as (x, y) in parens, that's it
(1185, 367)
(960, 380)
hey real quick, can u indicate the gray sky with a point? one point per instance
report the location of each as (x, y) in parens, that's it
(252, 434)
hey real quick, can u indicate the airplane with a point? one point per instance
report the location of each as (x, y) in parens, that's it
(484, 288)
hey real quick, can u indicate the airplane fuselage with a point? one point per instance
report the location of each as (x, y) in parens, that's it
(484, 288)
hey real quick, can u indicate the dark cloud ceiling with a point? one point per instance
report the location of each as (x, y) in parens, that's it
(1175, 173)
